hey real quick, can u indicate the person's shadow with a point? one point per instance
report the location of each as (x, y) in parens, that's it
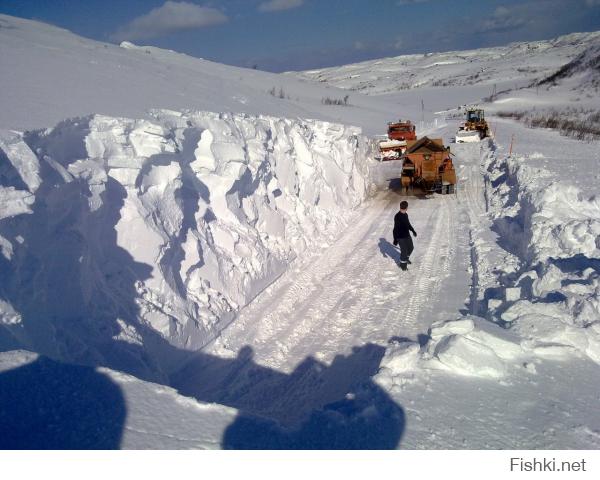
(389, 251)
(368, 420)
(50, 405)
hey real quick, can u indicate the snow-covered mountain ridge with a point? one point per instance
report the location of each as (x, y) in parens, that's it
(586, 64)
(517, 63)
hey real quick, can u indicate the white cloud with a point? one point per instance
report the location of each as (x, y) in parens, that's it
(278, 5)
(170, 18)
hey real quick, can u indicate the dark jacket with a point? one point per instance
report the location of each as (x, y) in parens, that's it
(402, 226)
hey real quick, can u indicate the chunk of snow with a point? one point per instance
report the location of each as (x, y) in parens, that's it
(471, 346)
(512, 294)
(14, 202)
(467, 357)
(453, 327)
(21, 157)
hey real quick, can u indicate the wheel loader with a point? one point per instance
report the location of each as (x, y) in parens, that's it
(475, 122)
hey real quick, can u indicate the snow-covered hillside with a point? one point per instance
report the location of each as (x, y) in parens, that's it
(506, 66)
(586, 65)
(49, 74)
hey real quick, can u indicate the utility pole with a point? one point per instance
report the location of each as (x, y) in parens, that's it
(422, 112)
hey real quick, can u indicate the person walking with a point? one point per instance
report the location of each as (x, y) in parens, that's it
(402, 229)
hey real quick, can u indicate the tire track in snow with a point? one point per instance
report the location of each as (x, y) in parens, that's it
(372, 315)
(351, 292)
(480, 243)
(267, 319)
(320, 323)
(433, 266)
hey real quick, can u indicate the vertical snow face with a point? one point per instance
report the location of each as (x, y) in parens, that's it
(129, 242)
(547, 219)
(555, 230)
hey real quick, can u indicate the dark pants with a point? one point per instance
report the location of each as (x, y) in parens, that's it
(406, 248)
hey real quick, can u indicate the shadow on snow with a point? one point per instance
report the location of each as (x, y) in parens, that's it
(51, 405)
(314, 407)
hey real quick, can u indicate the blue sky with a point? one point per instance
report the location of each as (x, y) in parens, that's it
(279, 35)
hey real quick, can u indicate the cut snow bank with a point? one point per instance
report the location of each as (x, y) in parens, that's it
(555, 230)
(550, 219)
(128, 242)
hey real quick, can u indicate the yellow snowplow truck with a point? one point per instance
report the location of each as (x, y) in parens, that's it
(475, 121)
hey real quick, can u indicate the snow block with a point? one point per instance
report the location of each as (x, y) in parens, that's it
(494, 304)
(22, 159)
(399, 361)
(453, 327)
(471, 346)
(401, 358)
(467, 357)
(512, 294)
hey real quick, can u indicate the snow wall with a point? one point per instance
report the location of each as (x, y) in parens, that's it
(129, 243)
(555, 231)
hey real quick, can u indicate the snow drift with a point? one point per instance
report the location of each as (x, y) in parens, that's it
(128, 242)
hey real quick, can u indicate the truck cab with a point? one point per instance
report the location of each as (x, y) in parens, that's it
(402, 130)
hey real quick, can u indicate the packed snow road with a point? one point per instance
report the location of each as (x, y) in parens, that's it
(352, 293)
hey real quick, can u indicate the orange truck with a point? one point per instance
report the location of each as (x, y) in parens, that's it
(427, 165)
(399, 133)
(402, 130)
